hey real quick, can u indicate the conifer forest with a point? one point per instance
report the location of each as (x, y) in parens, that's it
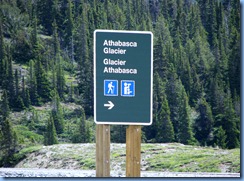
(46, 70)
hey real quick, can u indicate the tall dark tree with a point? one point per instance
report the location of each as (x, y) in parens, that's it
(57, 113)
(165, 130)
(82, 133)
(46, 12)
(50, 137)
(230, 123)
(204, 123)
(2, 54)
(34, 97)
(69, 28)
(185, 133)
(9, 82)
(8, 142)
(42, 83)
(5, 110)
(85, 66)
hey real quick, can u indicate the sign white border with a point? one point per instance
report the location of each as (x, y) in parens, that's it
(95, 81)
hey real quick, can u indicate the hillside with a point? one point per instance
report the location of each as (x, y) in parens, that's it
(170, 157)
(46, 71)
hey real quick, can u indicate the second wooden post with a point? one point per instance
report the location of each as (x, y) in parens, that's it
(133, 151)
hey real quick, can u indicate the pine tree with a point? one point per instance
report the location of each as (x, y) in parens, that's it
(71, 93)
(8, 142)
(173, 96)
(34, 97)
(118, 133)
(129, 25)
(69, 27)
(42, 83)
(16, 78)
(85, 68)
(25, 95)
(46, 12)
(56, 44)
(57, 114)
(9, 82)
(229, 123)
(5, 110)
(204, 123)
(220, 137)
(27, 100)
(60, 81)
(51, 135)
(185, 134)
(19, 104)
(82, 133)
(2, 54)
(165, 131)
(196, 88)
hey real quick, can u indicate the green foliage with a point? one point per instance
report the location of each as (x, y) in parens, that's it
(196, 64)
(22, 154)
(42, 83)
(185, 134)
(57, 114)
(83, 132)
(27, 137)
(8, 142)
(50, 137)
(204, 123)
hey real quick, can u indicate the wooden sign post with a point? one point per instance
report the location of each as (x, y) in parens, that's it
(103, 150)
(133, 151)
(123, 92)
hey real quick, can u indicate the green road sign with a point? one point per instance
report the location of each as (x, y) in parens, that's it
(123, 71)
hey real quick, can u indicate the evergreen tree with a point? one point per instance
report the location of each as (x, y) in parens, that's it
(19, 104)
(220, 137)
(84, 64)
(82, 134)
(51, 135)
(8, 142)
(204, 123)
(25, 95)
(118, 133)
(60, 81)
(2, 54)
(46, 12)
(16, 78)
(5, 110)
(27, 100)
(185, 134)
(69, 28)
(229, 123)
(165, 131)
(234, 63)
(57, 113)
(56, 44)
(42, 83)
(71, 93)
(34, 97)
(9, 82)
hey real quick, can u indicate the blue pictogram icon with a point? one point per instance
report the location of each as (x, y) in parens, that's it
(128, 88)
(111, 87)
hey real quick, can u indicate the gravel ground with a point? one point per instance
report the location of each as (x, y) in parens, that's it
(21, 172)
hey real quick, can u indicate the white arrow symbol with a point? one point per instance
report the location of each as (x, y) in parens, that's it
(110, 105)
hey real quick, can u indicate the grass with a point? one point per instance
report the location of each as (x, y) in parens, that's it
(22, 154)
(172, 157)
(192, 159)
(27, 137)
